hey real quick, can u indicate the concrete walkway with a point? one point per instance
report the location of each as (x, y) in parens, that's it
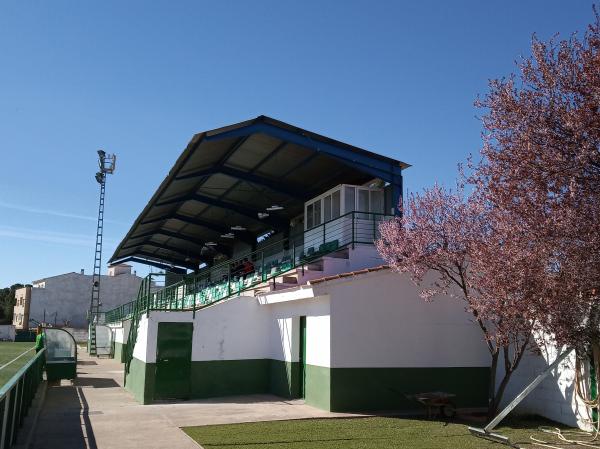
(97, 412)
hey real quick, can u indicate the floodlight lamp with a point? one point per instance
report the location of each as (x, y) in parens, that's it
(101, 153)
(99, 177)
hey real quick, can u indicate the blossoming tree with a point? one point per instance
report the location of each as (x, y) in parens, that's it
(523, 249)
(437, 242)
(541, 171)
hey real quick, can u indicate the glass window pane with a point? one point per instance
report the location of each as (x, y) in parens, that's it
(335, 204)
(317, 213)
(363, 200)
(349, 198)
(327, 208)
(309, 216)
(377, 201)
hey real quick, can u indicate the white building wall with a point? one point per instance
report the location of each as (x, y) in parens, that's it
(143, 344)
(7, 332)
(555, 397)
(233, 330)
(379, 320)
(284, 333)
(284, 328)
(121, 331)
(372, 320)
(241, 328)
(67, 297)
(318, 343)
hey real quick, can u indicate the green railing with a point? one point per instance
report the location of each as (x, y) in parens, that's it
(138, 308)
(221, 281)
(120, 313)
(16, 397)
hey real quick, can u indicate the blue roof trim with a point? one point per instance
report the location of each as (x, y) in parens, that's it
(376, 167)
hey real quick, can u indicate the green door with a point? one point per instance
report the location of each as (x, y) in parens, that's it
(173, 360)
(302, 356)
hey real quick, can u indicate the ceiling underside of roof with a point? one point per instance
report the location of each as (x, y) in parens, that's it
(228, 176)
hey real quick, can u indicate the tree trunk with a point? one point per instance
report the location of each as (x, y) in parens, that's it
(492, 382)
(493, 409)
(509, 368)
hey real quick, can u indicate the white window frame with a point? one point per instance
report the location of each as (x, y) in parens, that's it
(342, 189)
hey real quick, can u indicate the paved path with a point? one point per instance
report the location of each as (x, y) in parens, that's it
(97, 412)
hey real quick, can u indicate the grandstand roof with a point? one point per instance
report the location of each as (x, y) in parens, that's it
(228, 176)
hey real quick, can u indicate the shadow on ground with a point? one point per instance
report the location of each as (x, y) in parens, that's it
(86, 362)
(96, 382)
(65, 423)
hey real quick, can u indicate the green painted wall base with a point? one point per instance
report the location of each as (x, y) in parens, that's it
(317, 386)
(61, 370)
(221, 378)
(120, 351)
(140, 380)
(284, 378)
(354, 389)
(335, 389)
(229, 377)
(238, 377)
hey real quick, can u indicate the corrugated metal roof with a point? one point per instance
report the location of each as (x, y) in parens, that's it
(226, 176)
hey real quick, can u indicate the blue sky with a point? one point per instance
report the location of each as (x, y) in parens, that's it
(139, 78)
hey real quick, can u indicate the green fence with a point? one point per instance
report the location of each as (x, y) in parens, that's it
(16, 397)
(224, 280)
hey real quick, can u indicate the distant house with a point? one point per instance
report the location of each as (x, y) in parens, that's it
(64, 299)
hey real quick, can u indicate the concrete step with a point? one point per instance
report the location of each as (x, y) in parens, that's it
(314, 266)
(282, 286)
(344, 253)
(288, 279)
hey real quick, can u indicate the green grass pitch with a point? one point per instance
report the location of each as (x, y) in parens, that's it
(359, 433)
(10, 350)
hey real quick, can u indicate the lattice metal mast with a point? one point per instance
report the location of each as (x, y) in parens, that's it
(106, 163)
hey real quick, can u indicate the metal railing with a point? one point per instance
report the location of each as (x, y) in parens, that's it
(223, 281)
(16, 397)
(138, 308)
(121, 312)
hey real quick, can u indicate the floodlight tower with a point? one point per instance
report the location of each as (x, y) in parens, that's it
(106, 162)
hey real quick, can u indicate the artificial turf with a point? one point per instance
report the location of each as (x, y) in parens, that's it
(358, 433)
(8, 351)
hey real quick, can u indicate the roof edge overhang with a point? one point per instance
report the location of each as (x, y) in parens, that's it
(379, 166)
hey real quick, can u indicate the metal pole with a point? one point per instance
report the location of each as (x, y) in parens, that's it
(486, 432)
(149, 281)
(106, 164)
(229, 279)
(352, 218)
(494, 422)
